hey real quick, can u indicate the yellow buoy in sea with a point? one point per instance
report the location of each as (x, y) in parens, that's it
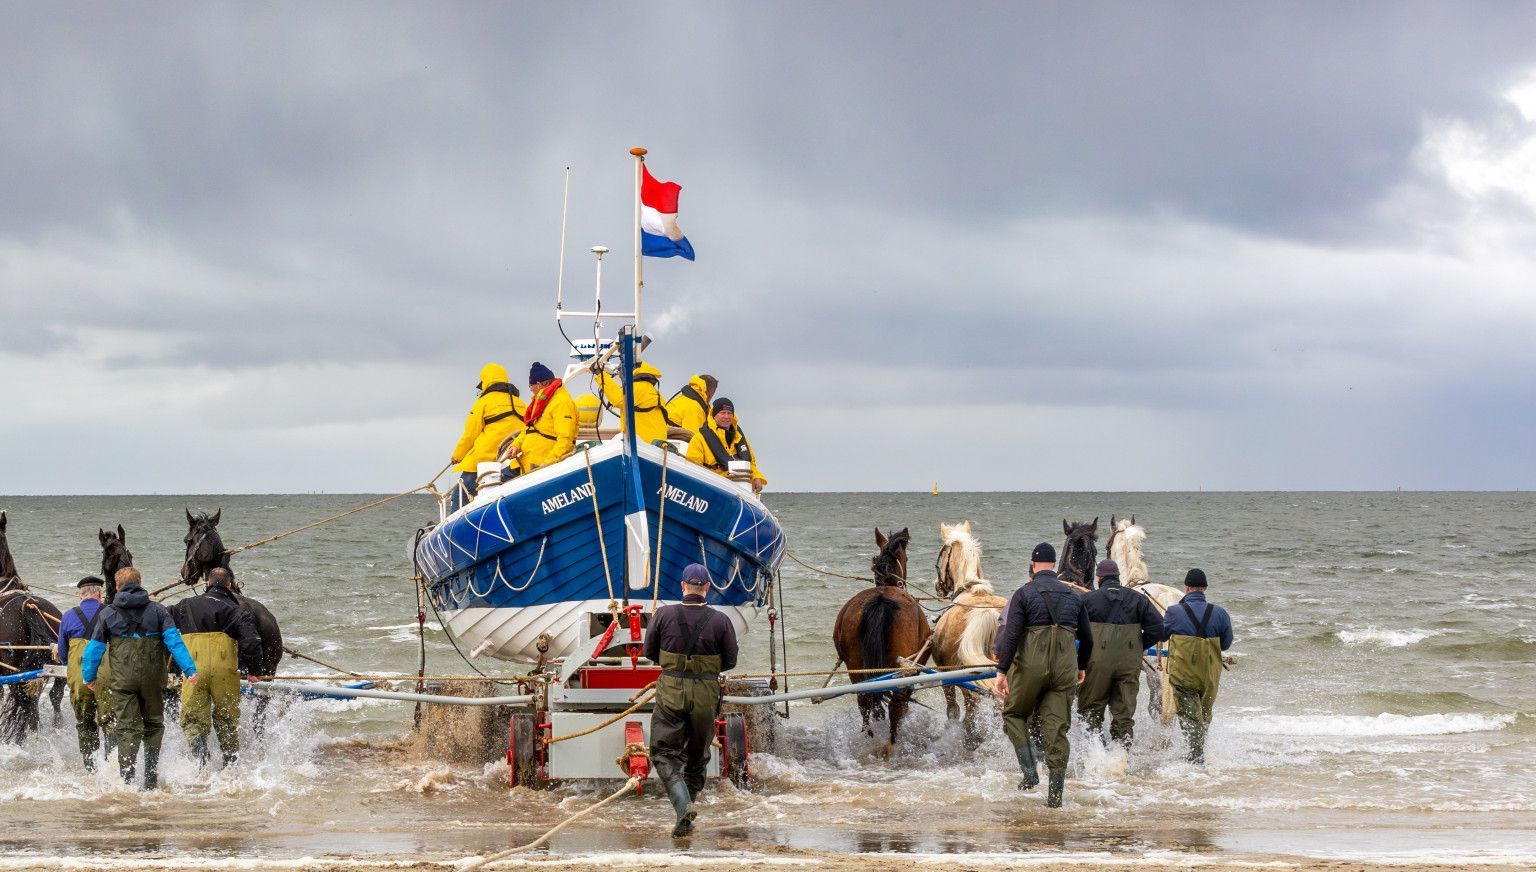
(935, 488)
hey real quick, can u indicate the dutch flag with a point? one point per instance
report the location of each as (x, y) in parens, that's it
(659, 235)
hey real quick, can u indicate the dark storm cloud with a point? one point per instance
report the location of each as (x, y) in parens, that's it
(1198, 208)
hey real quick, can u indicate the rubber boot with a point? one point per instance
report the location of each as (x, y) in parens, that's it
(1054, 791)
(1026, 756)
(90, 762)
(682, 803)
(199, 749)
(151, 770)
(127, 767)
(231, 759)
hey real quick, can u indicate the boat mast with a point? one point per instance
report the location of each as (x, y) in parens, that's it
(639, 154)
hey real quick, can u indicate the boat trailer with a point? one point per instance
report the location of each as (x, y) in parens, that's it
(589, 717)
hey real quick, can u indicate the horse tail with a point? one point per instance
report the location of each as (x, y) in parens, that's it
(875, 626)
(976, 638)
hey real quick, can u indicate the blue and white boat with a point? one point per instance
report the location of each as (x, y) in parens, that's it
(533, 567)
(544, 552)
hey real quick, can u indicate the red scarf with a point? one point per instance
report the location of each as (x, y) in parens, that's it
(536, 408)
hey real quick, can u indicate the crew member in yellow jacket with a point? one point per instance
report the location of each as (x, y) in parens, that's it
(496, 414)
(650, 413)
(689, 407)
(721, 441)
(551, 422)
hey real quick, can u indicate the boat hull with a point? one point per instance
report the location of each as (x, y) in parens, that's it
(540, 554)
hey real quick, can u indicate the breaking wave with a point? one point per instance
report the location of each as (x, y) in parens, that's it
(1385, 638)
(1385, 724)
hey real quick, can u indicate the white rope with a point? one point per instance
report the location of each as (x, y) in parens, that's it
(629, 785)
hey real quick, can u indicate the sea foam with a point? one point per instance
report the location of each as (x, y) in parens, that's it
(1385, 638)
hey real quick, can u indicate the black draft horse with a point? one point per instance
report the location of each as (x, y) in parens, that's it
(205, 550)
(114, 556)
(1079, 554)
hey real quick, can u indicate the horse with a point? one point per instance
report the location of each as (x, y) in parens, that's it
(1124, 547)
(965, 632)
(205, 551)
(876, 628)
(26, 620)
(114, 556)
(1079, 554)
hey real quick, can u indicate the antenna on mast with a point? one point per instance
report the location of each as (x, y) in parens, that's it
(565, 210)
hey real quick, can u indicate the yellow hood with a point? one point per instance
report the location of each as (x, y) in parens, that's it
(492, 373)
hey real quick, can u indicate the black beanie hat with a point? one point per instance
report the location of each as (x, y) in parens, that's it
(90, 579)
(1195, 578)
(722, 403)
(1043, 553)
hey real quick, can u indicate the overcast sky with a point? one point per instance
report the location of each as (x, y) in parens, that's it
(1013, 246)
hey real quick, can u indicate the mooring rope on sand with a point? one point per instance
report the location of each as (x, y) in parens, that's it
(629, 785)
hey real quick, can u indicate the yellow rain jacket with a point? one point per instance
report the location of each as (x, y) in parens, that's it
(690, 411)
(496, 415)
(734, 442)
(553, 437)
(650, 412)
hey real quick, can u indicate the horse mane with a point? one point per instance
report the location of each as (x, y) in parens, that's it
(1125, 550)
(886, 564)
(961, 564)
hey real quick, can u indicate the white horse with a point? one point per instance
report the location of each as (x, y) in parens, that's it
(1125, 539)
(964, 634)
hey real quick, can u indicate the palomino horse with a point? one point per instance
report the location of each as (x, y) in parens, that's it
(114, 556)
(1124, 547)
(205, 550)
(1079, 554)
(26, 620)
(877, 627)
(965, 632)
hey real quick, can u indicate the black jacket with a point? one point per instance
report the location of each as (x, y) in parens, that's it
(1113, 604)
(666, 632)
(217, 611)
(1044, 601)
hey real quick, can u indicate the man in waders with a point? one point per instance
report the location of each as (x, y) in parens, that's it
(92, 710)
(1197, 633)
(221, 636)
(1039, 669)
(1125, 624)
(693, 644)
(134, 635)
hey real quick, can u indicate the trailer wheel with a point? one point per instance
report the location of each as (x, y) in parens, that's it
(736, 750)
(522, 756)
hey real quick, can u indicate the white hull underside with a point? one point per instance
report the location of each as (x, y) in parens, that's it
(513, 633)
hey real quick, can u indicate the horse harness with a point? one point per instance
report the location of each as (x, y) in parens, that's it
(693, 633)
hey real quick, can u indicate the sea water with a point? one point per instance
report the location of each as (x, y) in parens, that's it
(1381, 705)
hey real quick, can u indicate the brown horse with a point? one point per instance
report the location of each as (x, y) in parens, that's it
(877, 627)
(27, 620)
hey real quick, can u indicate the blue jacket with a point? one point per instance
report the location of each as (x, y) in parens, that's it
(71, 627)
(1177, 623)
(132, 614)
